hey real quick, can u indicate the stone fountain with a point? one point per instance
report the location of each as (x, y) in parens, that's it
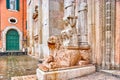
(69, 52)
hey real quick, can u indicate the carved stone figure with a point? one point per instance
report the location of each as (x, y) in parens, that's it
(65, 38)
(64, 57)
(52, 44)
(70, 31)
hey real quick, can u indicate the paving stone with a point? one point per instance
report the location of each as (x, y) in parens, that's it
(16, 66)
(115, 73)
(97, 76)
(28, 77)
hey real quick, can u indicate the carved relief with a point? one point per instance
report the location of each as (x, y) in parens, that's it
(35, 14)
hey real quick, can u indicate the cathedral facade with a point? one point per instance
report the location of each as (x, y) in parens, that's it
(97, 24)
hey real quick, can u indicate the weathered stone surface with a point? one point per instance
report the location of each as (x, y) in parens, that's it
(28, 77)
(97, 76)
(65, 74)
(117, 54)
(62, 58)
(56, 13)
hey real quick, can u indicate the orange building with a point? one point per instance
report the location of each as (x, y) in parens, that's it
(12, 25)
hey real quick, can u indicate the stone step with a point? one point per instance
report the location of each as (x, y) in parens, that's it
(115, 73)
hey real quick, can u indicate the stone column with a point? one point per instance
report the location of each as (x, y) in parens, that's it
(40, 21)
(82, 24)
(30, 27)
(40, 29)
(113, 9)
(98, 33)
(108, 34)
(117, 33)
(91, 29)
(45, 21)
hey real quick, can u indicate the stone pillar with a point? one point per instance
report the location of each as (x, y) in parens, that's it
(82, 24)
(45, 21)
(113, 6)
(30, 27)
(108, 34)
(40, 29)
(117, 33)
(98, 33)
(45, 27)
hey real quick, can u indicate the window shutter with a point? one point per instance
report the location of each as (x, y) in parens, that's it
(17, 5)
(8, 4)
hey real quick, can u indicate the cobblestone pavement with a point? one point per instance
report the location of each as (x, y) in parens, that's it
(24, 67)
(93, 76)
(16, 66)
(28, 77)
(112, 72)
(97, 76)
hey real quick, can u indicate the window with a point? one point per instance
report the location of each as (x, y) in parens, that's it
(12, 4)
(12, 20)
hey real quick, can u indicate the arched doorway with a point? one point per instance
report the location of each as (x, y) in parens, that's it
(12, 40)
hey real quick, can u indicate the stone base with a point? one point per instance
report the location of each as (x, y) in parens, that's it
(65, 74)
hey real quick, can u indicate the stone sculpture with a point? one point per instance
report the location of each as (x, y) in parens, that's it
(70, 33)
(60, 58)
(64, 49)
(63, 57)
